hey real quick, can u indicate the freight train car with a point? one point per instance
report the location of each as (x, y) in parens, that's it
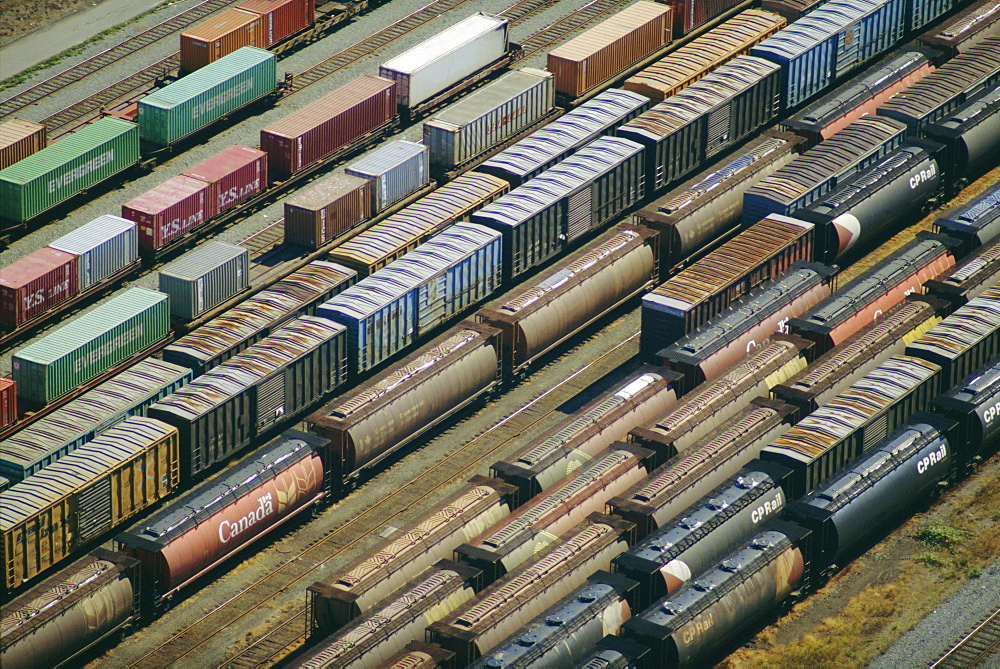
(966, 29)
(976, 223)
(969, 278)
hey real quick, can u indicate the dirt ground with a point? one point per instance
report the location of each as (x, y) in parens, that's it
(20, 17)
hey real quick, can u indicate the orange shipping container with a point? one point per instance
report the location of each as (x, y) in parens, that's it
(19, 139)
(219, 36)
(281, 17)
(8, 402)
(610, 48)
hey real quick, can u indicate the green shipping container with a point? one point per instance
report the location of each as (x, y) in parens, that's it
(74, 163)
(204, 96)
(90, 345)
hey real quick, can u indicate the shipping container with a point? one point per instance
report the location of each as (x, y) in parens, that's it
(220, 36)
(487, 118)
(36, 283)
(327, 209)
(329, 124)
(447, 58)
(90, 345)
(103, 247)
(608, 49)
(19, 139)
(397, 169)
(184, 107)
(76, 162)
(169, 210)
(282, 18)
(204, 278)
(232, 175)
(8, 402)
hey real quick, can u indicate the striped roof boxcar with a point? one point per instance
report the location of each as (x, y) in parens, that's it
(8, 402)
(397, 169)
(169, 211)
(404, 231)
(965, 340)
(169, 114)
(222, 412)
(92, 490)
(609, 48)
(36, 283)
(204, 278)
(217, 518)
(601, 115)
(692, 475)
(580, 437)
(103, 247)
(710, 204)
(960, 80)
(420, 655)
(358, 587)
(327, 209)
(971, 135)
(581, 194)
(861, 96)
(478, 625)
(974, 404)
(969, 278)
(282, 18)
(830, 42)
(966, 29)
(220, 35)
(390, 310)
(822, 168)
(706, 118)
(485, 119)
(55, 621)
(587, 285)
(707, 288)
(704, 54)
(401, 403)
(19, 139)
(975, 223)
(64, 430)
(82, 159)
(233, 175)
(562, 635)
(707, 352)
(334, 122)
(90, 345)
(838, 432)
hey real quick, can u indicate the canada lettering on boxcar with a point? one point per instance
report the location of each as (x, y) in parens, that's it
(222, 98)
(228, 530)
(66, 178)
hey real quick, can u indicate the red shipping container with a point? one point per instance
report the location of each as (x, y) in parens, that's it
(281, 17)
(232, 176)
(8, 402)
(168, 211)
(330, 123)
(36, 283)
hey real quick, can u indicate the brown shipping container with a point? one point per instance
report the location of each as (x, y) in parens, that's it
(219, 36)
(36, 283)
(329, 208)
(610, 48)
(8, 402)
(330, 123)
(168, 210)
(19, 139)
(281, 17)
(232, 176)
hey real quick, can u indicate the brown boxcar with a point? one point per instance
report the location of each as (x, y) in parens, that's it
(232, 175)
(331, 123)
(19, 139)
(8, 402)
(281, 17)
(610, 48)
(327, 209)
(169, 210)
(36, 283)
(690, 14)
(219, 36)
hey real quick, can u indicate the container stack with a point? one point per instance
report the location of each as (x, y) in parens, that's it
(205, 278)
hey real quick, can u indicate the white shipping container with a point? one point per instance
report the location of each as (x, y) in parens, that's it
(205, 278)
(104, 246)
(489, 117)
(447, 58)
(397, 169)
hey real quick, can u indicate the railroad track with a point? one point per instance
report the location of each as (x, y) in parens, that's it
(975, 647)
(566, 25)
(110, 56)
(302, 568)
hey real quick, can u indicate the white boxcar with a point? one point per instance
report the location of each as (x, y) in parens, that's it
(445, 59)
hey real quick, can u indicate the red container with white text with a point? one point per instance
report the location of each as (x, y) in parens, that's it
(36, 283)
(169, 211)
(232, 176)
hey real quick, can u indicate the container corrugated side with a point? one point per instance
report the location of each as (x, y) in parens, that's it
(8, 402)
(220, 36)
(102, 247)
(169, 210)
(232, 175)
(204, 278)
(36, 283)
(201, 98)
(281, 17)
(86, 157)
(398, 169)
(82, 349)
(19, 139)
(327, 209)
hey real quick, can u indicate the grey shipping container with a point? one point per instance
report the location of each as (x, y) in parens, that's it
(398, 169)
(487, 118)
(205, 278)
(90, 345)
(104, 246)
